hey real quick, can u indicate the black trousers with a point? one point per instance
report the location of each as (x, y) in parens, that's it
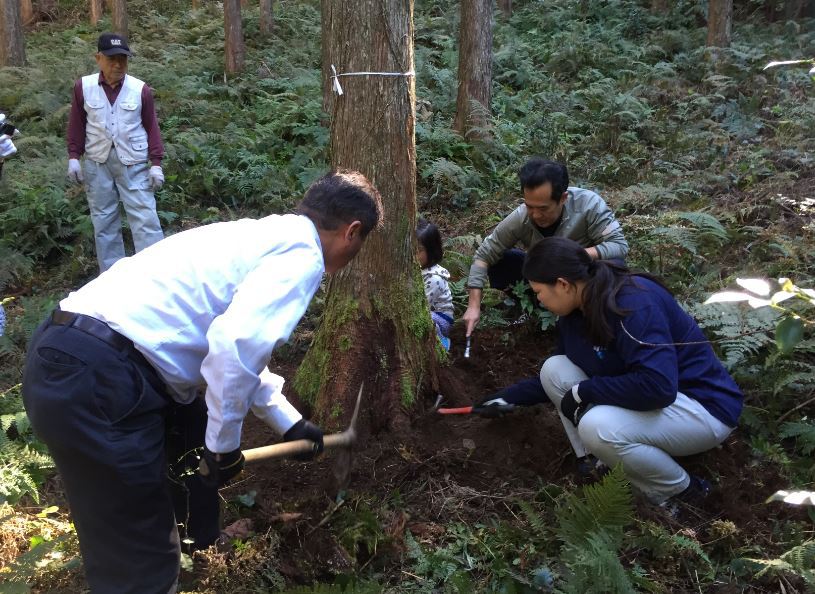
(508, 270)
(124, 451)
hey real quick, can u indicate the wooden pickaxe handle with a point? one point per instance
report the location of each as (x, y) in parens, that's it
(298, 446)
(305, 446)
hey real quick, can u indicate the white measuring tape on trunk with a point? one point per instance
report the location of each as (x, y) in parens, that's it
(336, 77)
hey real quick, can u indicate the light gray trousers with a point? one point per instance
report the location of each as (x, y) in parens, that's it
(643, 441)
(105, 185)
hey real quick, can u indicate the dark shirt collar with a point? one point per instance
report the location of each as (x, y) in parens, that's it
(550, 230)
(102, 81)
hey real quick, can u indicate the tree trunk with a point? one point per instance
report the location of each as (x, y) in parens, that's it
(506, 7)
(659, 6)
(26, 12)
(12, 43)
(96, 11)
(793, 9)
(474, 69)
(376, 327)
(196, 4)
(719, 23)
(266, 17)
(118, 11)
(234, 48)
(327, 26)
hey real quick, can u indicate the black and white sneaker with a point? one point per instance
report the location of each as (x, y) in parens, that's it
(689, 499)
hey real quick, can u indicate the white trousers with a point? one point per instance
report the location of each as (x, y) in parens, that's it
(105, 185)
(643, 441)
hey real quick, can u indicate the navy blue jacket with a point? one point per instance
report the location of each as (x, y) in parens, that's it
(637, 376)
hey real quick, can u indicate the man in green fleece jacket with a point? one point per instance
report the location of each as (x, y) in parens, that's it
(550, 208)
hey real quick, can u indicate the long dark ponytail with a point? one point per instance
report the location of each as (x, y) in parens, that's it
(558, 257)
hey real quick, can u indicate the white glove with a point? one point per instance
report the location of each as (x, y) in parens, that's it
(156, 177)
(7, 147)
(75, 171)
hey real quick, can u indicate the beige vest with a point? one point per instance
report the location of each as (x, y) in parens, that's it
(117, 125)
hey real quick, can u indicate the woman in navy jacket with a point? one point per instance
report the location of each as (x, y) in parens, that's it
(635, 379)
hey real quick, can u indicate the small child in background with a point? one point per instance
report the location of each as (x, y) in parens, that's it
(435, 279)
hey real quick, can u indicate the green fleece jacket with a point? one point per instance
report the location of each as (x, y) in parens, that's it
(586, 218)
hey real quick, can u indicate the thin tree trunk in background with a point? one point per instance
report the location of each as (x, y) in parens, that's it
(719, 23)
(118, 11)
(195, 4)
(376, 325)
(26, 12)
(506, 7)
(326, 22)
(12, 42)
(659, 6)
(234, 48)
(474, 69)
(96, 11)
(793, 9)
(266, 17)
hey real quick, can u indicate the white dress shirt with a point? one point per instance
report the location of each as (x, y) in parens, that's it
(207, 306)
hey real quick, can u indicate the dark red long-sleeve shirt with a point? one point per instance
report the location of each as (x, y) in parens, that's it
(78, 119)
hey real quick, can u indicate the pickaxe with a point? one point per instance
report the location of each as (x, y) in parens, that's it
(286, 449)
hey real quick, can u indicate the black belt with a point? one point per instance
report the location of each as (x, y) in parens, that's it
(94, 327)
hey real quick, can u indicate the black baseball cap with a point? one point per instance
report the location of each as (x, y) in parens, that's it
(112, 44)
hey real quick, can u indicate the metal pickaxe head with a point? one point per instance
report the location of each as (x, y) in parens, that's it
(286, 449)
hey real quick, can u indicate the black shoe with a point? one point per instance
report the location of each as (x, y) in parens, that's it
(696, 491)
(590, 469)
(691, 498)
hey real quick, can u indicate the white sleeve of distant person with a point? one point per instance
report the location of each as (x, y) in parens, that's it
(264, 311)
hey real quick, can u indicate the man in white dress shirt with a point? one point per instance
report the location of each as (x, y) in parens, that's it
(166, 352)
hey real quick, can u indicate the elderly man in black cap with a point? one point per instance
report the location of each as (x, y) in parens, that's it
(113, 123)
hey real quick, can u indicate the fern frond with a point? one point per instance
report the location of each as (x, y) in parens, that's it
(536, 521)
(803, 433)
(596, 568)
(604, 507)
(799, 560)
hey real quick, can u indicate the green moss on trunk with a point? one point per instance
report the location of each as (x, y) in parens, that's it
(314, 368)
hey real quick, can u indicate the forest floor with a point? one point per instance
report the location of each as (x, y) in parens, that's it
(465, 468)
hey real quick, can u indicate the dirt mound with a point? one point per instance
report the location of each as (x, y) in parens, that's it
(461, 468)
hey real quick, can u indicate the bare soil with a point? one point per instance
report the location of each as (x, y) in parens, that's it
(454, 468)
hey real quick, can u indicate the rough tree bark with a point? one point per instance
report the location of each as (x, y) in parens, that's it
(474, 69)
(326, 15)
(793, 9)
(376, 325)
(266, 17)
(719, 23)
(118, 11)
(12, 43)
(234, 47)
(96, 11)
(26, 12)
